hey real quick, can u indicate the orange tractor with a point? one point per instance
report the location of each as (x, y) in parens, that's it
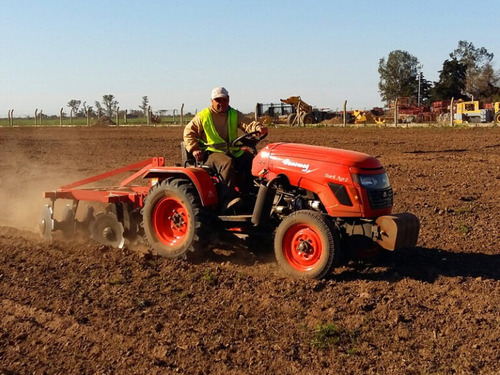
(318, 204)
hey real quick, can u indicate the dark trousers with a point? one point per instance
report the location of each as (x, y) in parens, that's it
(234, 172)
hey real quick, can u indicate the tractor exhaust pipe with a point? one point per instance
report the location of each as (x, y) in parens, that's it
(263, 204)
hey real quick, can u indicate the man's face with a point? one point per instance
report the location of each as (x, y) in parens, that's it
(220, 104)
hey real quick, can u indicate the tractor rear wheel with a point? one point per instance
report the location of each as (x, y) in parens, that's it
(497, 118)
(172, 219)
(306, 244)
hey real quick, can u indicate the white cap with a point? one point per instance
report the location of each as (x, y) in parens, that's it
(219, 92)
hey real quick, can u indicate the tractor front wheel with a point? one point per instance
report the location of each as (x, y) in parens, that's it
(172, 219)
(306, 244)
(497, 118)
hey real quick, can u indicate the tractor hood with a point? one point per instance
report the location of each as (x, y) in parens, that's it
(325, 172)
(301, 153)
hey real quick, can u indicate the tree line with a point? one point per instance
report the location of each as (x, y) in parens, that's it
(467, 74)
(107, 107)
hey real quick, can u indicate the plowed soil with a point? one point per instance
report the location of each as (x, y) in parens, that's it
(84, 308)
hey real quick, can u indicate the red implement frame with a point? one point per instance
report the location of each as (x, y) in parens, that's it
(121, 193)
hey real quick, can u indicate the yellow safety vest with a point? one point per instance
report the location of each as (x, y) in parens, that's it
(214, 142)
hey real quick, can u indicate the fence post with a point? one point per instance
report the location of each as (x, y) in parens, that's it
(11, 117)
(71, 116)
(148, 116)
(36, 117)
(344, 119)
(8, 116)
(117, 116)
(452, 123)
(299, 113)
(182, 114)
(60, 117)
(125, 116)
(87, 113)
(40, 120)
(396, 113)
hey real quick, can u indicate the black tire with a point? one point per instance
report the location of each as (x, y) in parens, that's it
(291, 119)
(308, 119)
(172, 219)
(306, 245)
(497, 118)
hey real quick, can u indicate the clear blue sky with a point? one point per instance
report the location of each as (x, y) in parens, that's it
(175, 52)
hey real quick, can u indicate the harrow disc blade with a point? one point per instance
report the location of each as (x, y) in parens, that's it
(107, 230)
(131, 228)
(83, 225)
(46, 224)
(67, 224)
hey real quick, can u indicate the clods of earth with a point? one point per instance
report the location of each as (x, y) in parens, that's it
(81, 307)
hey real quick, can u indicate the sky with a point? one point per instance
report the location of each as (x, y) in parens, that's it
(175, 52)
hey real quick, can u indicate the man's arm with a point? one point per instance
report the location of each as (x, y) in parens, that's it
(192, 133)
(248, 125)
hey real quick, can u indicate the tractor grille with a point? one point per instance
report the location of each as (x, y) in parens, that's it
(380, 198)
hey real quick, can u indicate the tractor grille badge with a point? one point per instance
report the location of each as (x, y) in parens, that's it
(290, 163)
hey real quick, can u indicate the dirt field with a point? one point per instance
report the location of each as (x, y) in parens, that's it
(84, 308)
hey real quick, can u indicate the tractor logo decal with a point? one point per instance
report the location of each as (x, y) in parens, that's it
(291, 163)
(337, 178)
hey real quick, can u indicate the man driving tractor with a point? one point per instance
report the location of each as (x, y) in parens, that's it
(209, 136)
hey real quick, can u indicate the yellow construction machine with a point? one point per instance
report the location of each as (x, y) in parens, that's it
(471, 112)
(305, 114)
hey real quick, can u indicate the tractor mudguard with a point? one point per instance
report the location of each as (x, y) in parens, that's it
(200, 178)
(397, 231)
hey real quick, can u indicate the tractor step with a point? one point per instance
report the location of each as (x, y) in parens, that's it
(236, 218)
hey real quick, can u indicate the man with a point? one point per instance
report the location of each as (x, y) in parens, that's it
(209, 135)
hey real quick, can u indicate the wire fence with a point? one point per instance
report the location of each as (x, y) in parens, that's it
(119, 118)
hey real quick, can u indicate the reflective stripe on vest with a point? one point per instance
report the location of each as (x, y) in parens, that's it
(214, 142)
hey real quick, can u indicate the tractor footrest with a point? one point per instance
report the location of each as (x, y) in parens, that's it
(236, 218)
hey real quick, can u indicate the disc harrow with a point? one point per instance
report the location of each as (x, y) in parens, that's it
(117, 221)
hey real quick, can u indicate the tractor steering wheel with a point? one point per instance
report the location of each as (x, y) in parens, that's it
(249, 140)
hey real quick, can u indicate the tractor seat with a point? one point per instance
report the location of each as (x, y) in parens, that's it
(187, 158)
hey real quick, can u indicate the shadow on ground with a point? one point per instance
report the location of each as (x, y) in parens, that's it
(425, 264)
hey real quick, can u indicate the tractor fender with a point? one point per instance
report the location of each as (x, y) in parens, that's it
(198, 176)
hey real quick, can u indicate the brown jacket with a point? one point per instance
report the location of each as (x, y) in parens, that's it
(194, 130)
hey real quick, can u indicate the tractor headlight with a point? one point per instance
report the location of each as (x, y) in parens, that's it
(374, 181)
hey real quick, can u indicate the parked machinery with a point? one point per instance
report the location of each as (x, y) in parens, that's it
(305, 114)
(471, 112)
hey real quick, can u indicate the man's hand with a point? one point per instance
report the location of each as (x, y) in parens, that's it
(263, 130)
(198, 155)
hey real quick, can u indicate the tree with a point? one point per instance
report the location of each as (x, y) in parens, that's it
(144, 105)
(425, 90)
(85, 109)
(74, 104)
(110, 104)
(398, 76)
(451, 82)
(98, 108)
(483, 83)
(480, 78)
